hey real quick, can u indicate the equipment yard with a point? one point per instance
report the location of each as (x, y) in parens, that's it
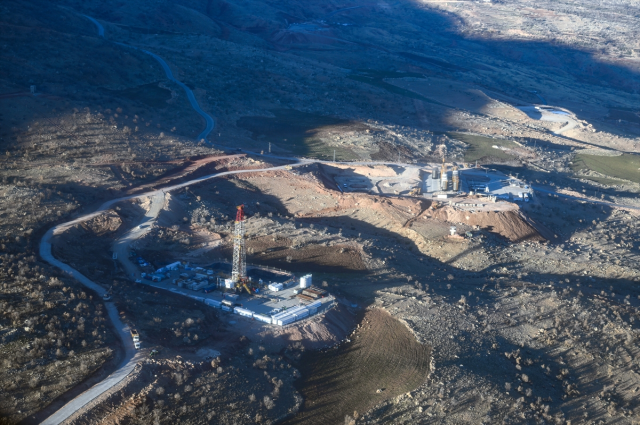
(431, 181)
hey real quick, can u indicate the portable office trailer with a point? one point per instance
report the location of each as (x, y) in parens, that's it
(172, 266)
(288, 311)
(243, 312)
(285, 320)
(314, 304)
(262, 318)
(213, 303)
(313, 307)
(275, 317)
(301, 314)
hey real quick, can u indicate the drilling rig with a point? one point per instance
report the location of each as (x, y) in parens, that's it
(239, 271)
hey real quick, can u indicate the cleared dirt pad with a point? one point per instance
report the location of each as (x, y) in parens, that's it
(509, 224)
(383, 355)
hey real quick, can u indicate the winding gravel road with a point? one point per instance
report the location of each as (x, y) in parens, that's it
(210, 123)
(121, 247)
(131, 357)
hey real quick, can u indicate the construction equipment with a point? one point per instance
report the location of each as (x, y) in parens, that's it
(416, 191)
(435, 205)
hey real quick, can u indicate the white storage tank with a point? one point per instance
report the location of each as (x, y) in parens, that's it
(305, 281)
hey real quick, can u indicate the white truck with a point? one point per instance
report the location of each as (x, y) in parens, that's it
(136, 338)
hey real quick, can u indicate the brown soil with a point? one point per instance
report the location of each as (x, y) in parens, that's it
(383, 361)
(510, 224)
(316, 333)
(314, 258)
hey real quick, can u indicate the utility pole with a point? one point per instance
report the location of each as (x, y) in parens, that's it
(269, 147)
(334, 155)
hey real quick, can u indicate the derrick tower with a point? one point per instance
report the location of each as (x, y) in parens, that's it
(239, 271)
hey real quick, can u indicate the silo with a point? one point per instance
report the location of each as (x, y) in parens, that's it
(305, 281)
(455, 180)
(436, 173)
(444, 181)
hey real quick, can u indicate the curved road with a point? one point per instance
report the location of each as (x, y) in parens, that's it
(157, 201)
(210, 123)
(130, 360)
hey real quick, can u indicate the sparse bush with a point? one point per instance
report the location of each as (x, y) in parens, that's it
(268, 402)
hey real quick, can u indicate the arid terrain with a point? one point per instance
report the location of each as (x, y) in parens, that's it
(526, 315)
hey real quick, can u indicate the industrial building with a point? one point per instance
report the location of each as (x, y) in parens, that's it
(277, 299)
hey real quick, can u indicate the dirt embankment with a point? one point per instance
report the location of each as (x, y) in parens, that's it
(103, 224)
(509, 224)
(315, 334)
(89, 240)
(382, 361)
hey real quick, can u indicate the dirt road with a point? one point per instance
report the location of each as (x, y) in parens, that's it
(121, 247)
(210, 123)
(157, 201)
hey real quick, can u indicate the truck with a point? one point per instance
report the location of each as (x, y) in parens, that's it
(134, 335)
